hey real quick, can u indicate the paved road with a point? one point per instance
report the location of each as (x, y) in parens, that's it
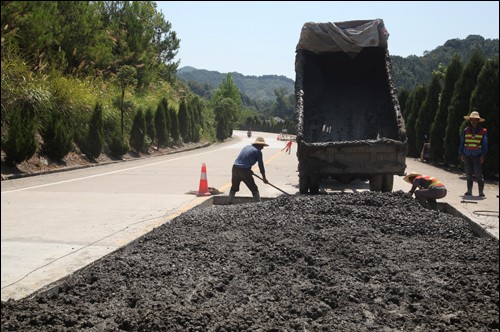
(53, 225)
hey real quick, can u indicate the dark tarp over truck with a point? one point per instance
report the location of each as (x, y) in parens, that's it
(349, 123)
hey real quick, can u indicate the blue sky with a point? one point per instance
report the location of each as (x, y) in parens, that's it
(259, 37)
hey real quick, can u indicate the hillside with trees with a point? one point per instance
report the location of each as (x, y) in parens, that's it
(268, 102)
(408, 72)
(414, 70)
(94, 78)
(257, 88)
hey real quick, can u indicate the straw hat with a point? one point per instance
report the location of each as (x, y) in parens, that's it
(411, 175)
(474, 115)
(260, 141)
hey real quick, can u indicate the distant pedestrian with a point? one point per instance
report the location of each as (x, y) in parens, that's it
(429, 189)
(242, 169)
(473, 149)
(288, 147)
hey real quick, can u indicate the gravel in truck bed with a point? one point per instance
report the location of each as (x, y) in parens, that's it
(343, 262)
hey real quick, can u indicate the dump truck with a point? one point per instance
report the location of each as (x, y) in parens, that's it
(349, 122)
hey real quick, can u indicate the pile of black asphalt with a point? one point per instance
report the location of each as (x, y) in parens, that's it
(342, 262)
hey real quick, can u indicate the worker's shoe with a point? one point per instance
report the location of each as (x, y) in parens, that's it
(469, 188)
(231, 197)
(256, 196)
(480, 185)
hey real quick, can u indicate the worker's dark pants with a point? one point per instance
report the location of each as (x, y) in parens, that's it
(245, 175)
(430, 195)
(473, 167)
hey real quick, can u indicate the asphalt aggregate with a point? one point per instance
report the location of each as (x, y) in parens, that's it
(341, 262)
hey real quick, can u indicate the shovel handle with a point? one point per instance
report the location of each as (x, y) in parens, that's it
(284, 192)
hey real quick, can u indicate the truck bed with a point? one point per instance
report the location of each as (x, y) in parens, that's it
(349, 122)
(347, 99)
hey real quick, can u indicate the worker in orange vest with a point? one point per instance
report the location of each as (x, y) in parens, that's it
(429, 187)
(473, 149)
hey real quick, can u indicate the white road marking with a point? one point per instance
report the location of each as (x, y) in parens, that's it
(239, 145)
(107, 173)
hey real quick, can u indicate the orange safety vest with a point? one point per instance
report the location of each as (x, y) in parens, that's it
(473, 141)
(430, 182)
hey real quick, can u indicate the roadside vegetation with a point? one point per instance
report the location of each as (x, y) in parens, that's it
(83, 76)
(101, 77)
(434, 112)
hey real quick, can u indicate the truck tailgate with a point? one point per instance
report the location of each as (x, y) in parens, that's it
(367, 157)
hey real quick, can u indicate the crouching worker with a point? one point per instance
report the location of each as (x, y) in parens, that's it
(242, 169)
(430, 189)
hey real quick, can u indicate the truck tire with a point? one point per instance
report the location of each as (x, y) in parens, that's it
(303, 185)
(376, 182)
(388, 183)
(314, 186)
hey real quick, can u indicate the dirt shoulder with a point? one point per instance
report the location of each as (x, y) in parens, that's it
(39, 164)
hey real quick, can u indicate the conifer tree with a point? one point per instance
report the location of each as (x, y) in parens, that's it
(57, 136)
(184, 122)
(92, 147)
(427, 112)
(117, 146)
(223, 112)
(195, 127)
(138, 131)
(168, 121)
(403, 98)
(195, 108)
(221, 128)
(174, 122)
(485, 101)
(150, 124)
(160, 126)
(20, 144)
(460, 104)
(438, 127)
(414, 103)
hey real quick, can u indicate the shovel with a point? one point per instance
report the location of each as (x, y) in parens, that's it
(272, 185)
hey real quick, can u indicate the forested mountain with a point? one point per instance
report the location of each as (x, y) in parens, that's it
(408, 72)
(414, 70)
(257, 88)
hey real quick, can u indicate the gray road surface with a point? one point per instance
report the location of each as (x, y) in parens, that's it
(52, 225)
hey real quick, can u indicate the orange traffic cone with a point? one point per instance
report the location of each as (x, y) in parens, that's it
(203, 190)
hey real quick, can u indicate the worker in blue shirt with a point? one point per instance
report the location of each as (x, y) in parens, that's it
(242, 169)
(473, 149)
